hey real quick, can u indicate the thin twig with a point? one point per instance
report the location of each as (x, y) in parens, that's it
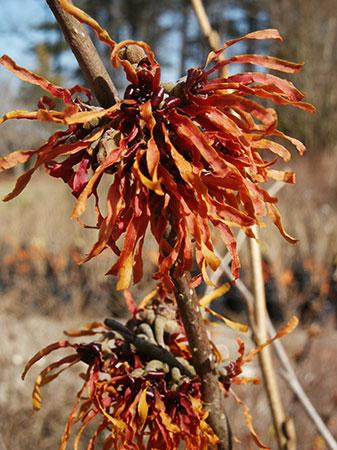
(311, 411)
(212, 36)
(86, 55)
(258, 322)
(290, 376)
(202, 357)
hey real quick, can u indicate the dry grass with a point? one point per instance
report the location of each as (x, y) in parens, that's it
(309, 211)
(20, 427)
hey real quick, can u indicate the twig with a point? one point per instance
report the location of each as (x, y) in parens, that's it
(209, 33)
(203, 361)
(86, 55)
(288, 372)
(147, 349)
(258, 321)
(311, 411)
(289, 375)
(212, 37)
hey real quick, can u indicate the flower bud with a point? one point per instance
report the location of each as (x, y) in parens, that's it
(178, 90)
(108, 143)
(133, 53)
(168, 86)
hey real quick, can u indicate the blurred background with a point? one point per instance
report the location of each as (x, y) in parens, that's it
(43, 290)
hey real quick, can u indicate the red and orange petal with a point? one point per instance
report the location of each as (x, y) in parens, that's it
(131, 403)
(188, 162)
(141, 412)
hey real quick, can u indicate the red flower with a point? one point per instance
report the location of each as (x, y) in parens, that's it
(140, 389)
(135, 400)
(179, 161)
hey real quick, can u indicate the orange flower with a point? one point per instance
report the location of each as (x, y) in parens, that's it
(135, 400)
(140, 389)
(179, 161)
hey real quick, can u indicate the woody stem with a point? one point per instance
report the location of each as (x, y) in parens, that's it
(86, 54)
(202, 358)
(211, 36)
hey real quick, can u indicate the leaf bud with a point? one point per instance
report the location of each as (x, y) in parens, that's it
(178, 90)
(168, 86)
(133, 53)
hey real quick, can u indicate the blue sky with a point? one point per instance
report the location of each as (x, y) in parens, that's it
(18, 19)
(17, 34)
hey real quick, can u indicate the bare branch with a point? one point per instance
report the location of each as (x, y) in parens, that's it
(210, 35)
(258, 321)
(86, 55)
(297, 389)
(212, 394)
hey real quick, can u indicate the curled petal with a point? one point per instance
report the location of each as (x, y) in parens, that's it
(287, 177)
(81, 16)
(283, 331)
(218, 292)
(276, 218)
(260, 34)
(249, 422)
(50, 348)
(80, 205)
(87, 330)
(230, 323)
(15, 158)
(30, 77)
(269, 62)
(46, 377)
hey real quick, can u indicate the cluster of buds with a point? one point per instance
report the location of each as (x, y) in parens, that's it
(140, 382)
(144, 393)
(155, 331)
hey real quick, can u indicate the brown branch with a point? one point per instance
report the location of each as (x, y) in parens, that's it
(147, 349)
(212, 36)
(297, 389)
(202, 358)
(86, 55)
(258, 322)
